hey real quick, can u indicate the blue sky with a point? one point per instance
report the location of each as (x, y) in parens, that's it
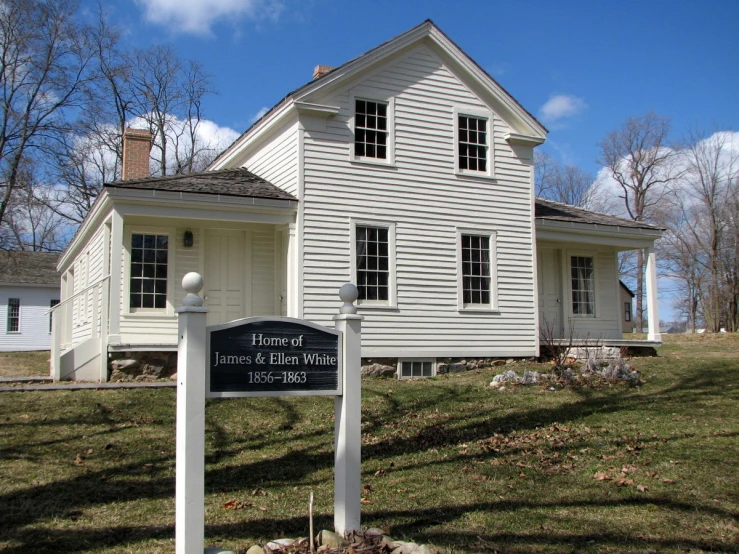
(598, 62)
(581, 67)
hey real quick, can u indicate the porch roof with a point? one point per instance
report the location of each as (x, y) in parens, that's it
(548, 209)
(225, 182)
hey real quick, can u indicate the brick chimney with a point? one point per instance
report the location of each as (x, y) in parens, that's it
(320, 71)
(136, 147)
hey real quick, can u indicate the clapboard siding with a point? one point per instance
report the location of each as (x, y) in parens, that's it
(33, 332)
(428, 203)
(277, 160)
(88, 268)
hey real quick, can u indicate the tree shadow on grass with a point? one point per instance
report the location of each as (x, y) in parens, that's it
(150, 478)
(428, 525)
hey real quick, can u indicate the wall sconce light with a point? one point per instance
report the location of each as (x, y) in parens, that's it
(188, 238)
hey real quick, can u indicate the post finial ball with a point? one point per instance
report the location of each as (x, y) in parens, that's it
(348, 294)
(192, 283)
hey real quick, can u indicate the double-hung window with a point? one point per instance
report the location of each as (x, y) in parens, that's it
(371, 130)
(627, 311)
(582, 271)
(149, 271)
(473, 143)
(14, 315)
(373, 263)
(52, 303)
(477, 286)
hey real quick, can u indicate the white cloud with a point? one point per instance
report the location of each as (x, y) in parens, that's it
(198, 16)
(561, 106)
(257, 116)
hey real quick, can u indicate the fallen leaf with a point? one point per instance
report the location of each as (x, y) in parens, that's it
(601, 476)
(642, 488)
(79, 460)
(668, 481)
(365, 501)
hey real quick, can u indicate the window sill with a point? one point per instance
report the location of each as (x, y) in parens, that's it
(372, 161)
(144, 315)
(474, 175)
(480, 310)
(387, 307)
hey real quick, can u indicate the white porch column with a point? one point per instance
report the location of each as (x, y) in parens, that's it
(116, 277)
(652, 301)
(292, 271)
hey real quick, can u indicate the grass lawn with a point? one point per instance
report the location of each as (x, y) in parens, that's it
(446, 461)
(24, 364)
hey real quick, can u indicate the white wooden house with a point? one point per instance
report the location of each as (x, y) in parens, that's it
(407, 171)
(29, 288)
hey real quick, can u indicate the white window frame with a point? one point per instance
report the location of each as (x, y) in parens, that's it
(582, 254)
(392, 301)
(490, 164)
(421, 360)
(373, 95)
(52, 302)
(7, 317)
(171, 233)
(493, 239)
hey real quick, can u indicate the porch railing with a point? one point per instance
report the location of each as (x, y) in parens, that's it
(62, 328)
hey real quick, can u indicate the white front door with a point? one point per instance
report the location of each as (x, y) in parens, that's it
(225, 275)
(550, 292)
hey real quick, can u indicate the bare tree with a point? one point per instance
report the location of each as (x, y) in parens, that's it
(168, 94)
(712, 166)
(45, 67)
(640, 159)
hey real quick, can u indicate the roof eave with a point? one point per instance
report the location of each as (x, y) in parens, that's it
(628, 237)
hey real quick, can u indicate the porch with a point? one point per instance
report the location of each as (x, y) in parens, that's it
(122, 284)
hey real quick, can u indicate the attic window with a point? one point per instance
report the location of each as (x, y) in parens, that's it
(370, 129)
(473, 143)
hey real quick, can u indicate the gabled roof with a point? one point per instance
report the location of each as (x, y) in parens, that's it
(427, 29)
(548, 209)
(226, 182)
(33, 268)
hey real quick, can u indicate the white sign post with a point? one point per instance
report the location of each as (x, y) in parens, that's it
(192, 365)
(348, 418)
(190, 472)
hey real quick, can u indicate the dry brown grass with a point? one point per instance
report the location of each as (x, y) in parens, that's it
(24, 364)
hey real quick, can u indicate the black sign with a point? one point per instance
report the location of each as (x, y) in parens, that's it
(273, 357)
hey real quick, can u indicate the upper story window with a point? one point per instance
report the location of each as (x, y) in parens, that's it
(583, 285)
(472, 147)
(371, 130)
(14, 315)
(149, 260)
